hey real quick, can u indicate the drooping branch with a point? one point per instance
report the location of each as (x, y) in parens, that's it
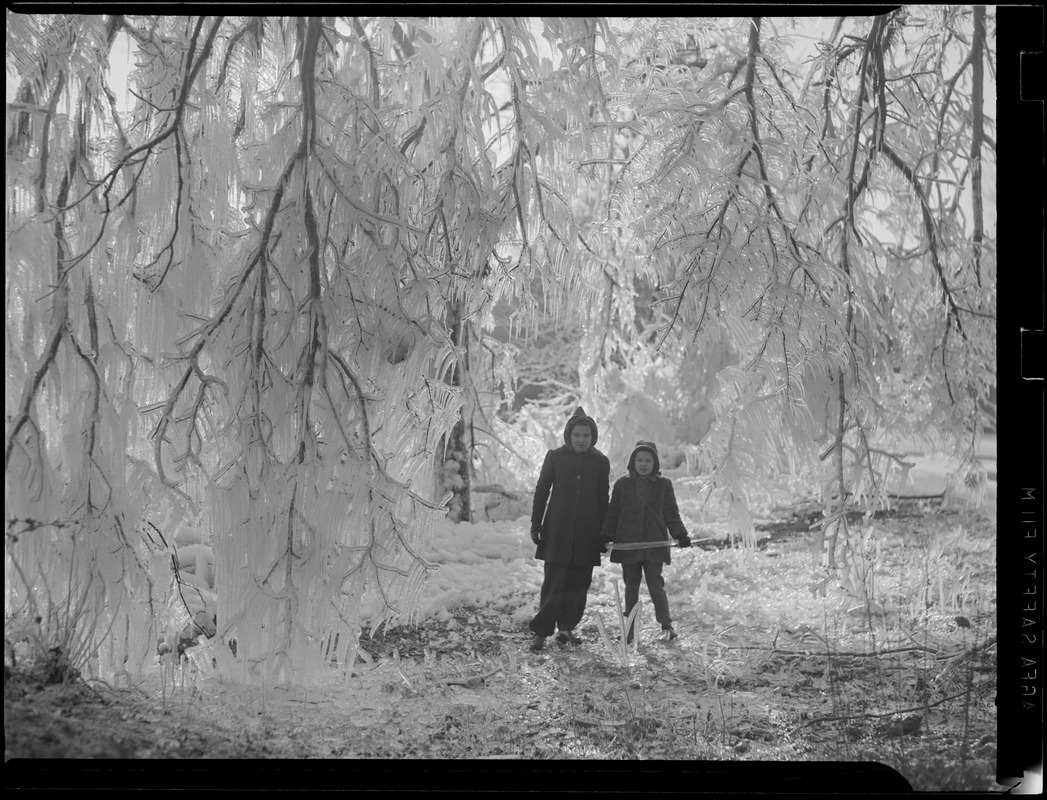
(950, 86)
(757, 146)
(372, 66)
(130, 157)
(253, 26)
(930, 229)
(312, 304)
(108, 179)
(977, 135)
(205, 332)
(168, 249)
(33, 386)
(91, 415)
(852, 190)
(835, 517)
(60, 304)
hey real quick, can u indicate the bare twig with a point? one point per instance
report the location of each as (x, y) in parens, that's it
(922, 707)
(959, 659)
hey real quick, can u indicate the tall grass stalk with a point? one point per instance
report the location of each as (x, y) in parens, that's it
(620, 648)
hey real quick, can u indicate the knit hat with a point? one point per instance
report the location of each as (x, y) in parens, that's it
(651, 448)
(579, 416)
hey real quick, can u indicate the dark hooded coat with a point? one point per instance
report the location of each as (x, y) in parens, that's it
(570, 500)
(642, 509)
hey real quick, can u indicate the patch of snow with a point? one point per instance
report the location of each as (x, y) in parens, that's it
(478, 564)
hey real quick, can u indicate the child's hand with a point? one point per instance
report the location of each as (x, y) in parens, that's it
(536, 535)
(683, 542)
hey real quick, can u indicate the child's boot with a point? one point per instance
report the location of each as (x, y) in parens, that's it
(667, 629)
(565, 638)
(537, 643)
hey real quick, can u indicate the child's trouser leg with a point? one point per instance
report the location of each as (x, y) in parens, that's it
(550, 600)
(656, 588)
(563, 596)
(575, 593)
(631, 574)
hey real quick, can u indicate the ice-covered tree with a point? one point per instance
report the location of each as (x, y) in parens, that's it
(237, 291)
(240, 294)
(827, 214)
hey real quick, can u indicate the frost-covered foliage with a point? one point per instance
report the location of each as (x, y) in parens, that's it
(75, 566)
(250, 291)
(234, 292)
(824, 216)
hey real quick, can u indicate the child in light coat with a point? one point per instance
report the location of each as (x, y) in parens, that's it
(641, 517)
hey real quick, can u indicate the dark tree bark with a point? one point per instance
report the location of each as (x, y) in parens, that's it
(456, 461)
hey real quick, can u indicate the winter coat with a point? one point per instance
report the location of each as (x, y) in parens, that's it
(571, 519)
(642, 510)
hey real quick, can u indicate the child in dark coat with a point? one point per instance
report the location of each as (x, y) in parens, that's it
(640, 518)
(567, 532)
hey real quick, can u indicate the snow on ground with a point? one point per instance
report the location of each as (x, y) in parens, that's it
(479, 564)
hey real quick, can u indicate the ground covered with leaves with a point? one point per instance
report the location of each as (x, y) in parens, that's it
(890, 660)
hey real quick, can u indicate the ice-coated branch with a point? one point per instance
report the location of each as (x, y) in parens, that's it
(977, 136)
(60, 304)
(931, 231)
(372, 66)
(179, 110)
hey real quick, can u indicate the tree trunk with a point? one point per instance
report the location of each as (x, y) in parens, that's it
(454, 470)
